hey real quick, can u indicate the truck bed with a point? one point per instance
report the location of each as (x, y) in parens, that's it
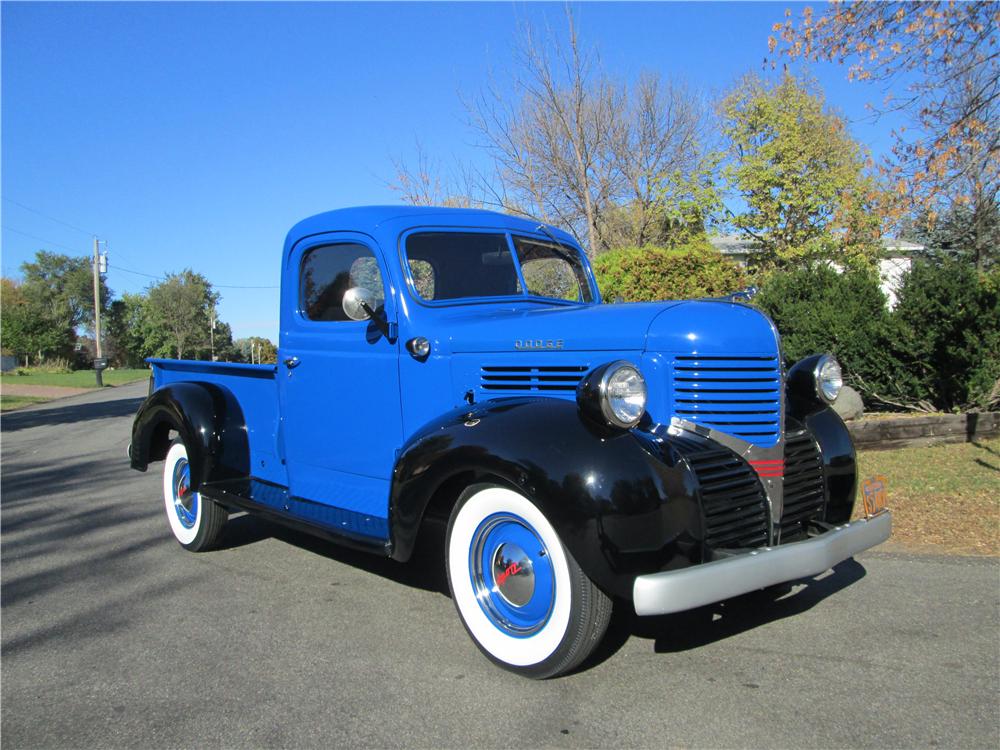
(254, 387)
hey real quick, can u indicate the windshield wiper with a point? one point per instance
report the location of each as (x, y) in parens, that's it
(559, 247)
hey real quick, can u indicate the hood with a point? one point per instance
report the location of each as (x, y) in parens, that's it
(693, 327)
(712, 327)
(561, 328)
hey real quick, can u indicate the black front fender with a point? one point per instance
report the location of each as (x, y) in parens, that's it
(207, 418)
(621, 501)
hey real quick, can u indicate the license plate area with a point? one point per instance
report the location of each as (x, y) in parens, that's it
(875, 495)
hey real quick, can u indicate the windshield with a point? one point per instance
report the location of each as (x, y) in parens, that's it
(456, 265)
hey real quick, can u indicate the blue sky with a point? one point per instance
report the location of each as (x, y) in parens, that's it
(194, 135)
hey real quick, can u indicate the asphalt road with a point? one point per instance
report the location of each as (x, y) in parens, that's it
(112, 635)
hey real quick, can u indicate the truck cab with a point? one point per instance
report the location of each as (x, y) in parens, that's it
(460, 366)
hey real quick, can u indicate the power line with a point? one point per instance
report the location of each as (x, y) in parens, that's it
(137, 273)
(127, 270)
(161, 278)
(50, 218)
(42, 239)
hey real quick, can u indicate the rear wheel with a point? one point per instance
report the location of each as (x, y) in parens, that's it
(195, 520)
(521, 595)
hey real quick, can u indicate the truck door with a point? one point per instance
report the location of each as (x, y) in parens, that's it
(338, 384)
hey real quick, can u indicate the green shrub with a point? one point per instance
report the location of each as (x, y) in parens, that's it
(648, 274)
(816, 309)
(946, 329)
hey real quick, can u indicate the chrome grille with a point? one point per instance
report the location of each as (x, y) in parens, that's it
(804, 497)
(531, 379)
(732, 500)
(738, 395)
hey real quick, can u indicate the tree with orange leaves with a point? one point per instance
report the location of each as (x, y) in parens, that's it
(937, 62)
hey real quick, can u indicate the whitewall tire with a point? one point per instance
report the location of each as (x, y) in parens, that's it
(521, 596)
(196, 521)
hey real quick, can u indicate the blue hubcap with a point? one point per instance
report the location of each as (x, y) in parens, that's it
(512, 574)
(185, 501)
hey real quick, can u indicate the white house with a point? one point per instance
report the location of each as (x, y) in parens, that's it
(892, 267)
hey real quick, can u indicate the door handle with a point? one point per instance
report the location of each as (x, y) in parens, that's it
(292, 362)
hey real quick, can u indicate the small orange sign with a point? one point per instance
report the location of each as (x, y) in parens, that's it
(875, 495)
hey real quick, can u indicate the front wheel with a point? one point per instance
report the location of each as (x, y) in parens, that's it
(521, 595)
(195, 520)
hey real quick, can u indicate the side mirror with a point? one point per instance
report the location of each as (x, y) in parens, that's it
(359, 303)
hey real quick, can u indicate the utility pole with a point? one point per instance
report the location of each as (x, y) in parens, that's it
(211, 333)
(99, 362)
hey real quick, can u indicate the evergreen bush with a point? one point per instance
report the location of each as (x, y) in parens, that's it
(938, 349)
(946, 331)
(817, 309)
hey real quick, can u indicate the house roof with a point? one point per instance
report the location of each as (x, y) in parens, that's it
(734, 244)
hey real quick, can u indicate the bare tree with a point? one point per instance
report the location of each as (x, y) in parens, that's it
(582, 149)
(663, 135)
(551, 147)
(574, 147)
(428, 183)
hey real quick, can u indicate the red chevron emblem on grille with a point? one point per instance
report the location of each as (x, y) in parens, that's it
(764, 469)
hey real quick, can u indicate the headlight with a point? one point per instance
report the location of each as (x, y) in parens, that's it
(615, 394)
(829, 378)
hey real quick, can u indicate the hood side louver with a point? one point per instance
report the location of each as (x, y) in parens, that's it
(532, 380)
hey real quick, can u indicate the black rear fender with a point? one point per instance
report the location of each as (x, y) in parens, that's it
(209, 420)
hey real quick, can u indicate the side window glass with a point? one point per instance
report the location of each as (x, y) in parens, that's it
(423, 278)
(329, 271)
(549, 277)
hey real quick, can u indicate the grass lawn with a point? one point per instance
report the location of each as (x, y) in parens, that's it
(12, 402)
(945, 496)
(77, 379)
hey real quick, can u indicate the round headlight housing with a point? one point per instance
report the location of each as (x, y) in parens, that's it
(829, 378)
(622, 393)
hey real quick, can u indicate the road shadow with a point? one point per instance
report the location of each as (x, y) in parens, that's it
(686, 631)
(89, 478)
(69, 413)
(424, 570)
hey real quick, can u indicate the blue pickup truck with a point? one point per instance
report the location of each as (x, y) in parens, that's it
(458, 367)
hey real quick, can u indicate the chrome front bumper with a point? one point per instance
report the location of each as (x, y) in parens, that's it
(678, 590)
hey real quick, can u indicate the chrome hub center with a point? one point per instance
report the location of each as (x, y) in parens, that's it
(513, 574)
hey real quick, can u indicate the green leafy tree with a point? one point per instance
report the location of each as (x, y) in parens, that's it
(655, 273)
(179, 311)
(225, 347)
(685, 205)
(27, 328)
(130, 337)
(691, 201)
(799, 174)
(55, 298)
(65, 286)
